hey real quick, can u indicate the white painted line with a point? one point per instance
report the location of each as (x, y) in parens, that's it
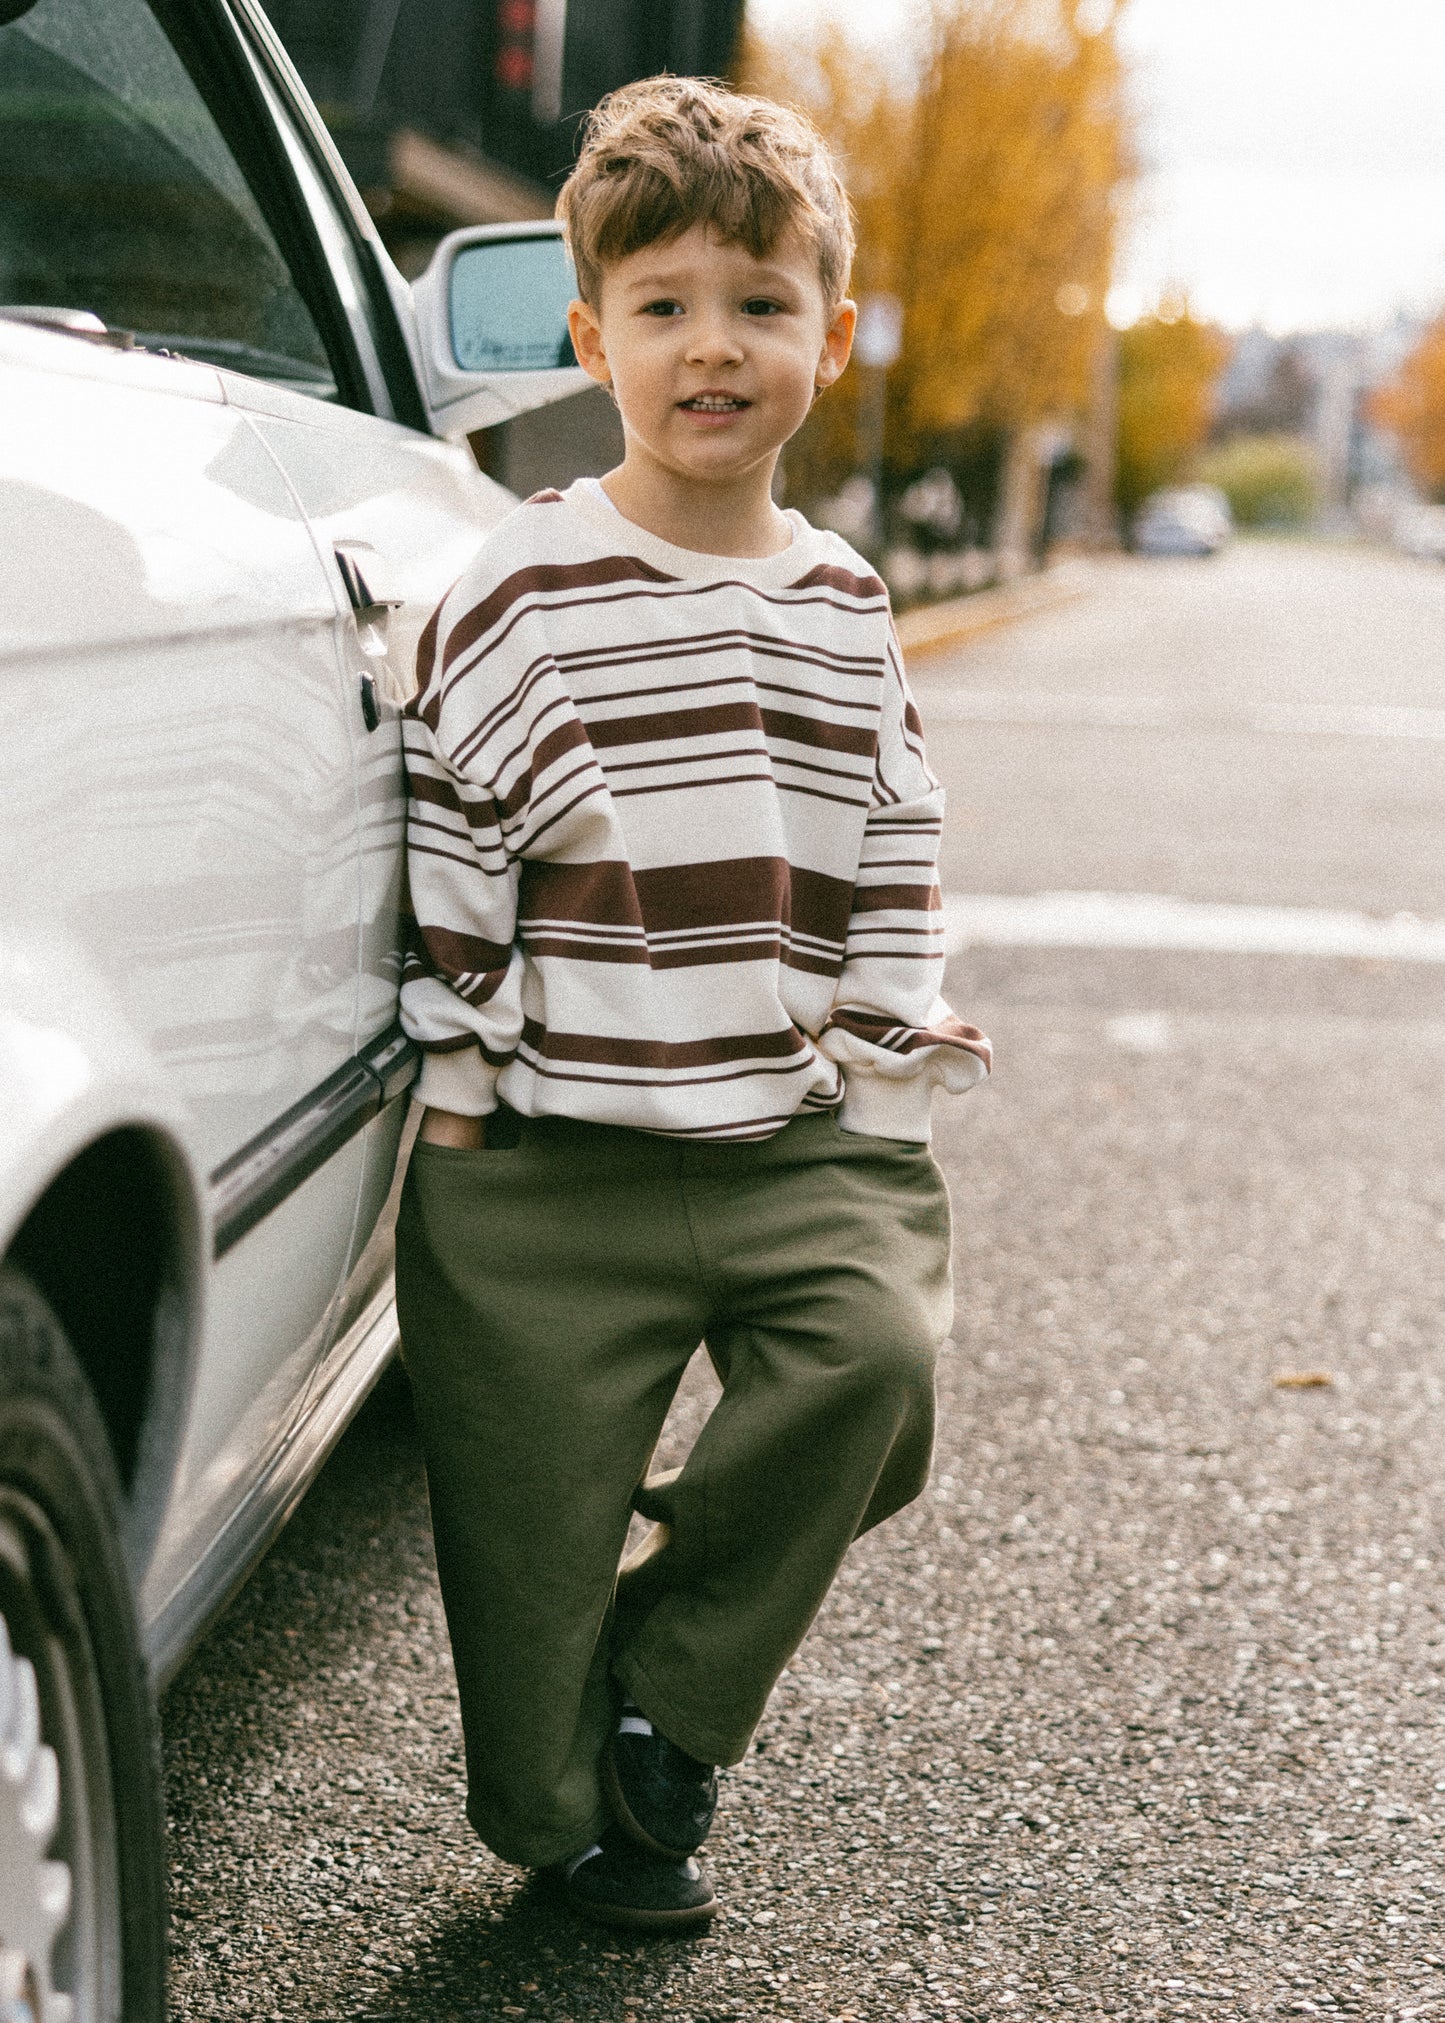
(1145, 920)
(1141, 1032)
(1163, 713)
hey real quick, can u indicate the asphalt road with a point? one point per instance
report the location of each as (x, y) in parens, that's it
(1137, 1711)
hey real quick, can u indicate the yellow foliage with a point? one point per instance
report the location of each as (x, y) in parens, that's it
(1412, 407)
(987, 199)
(1168, 366)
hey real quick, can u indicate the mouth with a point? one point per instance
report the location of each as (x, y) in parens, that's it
(714, 403)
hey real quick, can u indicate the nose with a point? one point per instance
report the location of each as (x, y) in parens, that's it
(714, 340)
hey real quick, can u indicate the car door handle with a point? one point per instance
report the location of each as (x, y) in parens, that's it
(371, 594)
(369, 588)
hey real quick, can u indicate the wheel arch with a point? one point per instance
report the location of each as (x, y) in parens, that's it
(113, 1242)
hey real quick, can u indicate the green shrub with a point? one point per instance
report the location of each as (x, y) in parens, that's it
(1270, 480)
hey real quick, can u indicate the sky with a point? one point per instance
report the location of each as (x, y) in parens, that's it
(1293, 153)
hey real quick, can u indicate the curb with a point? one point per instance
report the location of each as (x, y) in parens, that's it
(931, 627)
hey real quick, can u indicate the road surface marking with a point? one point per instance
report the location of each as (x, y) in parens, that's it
(1164, 713)
(1146, 920)
(1141, 1032)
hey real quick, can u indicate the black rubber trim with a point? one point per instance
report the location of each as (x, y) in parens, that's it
(247, 1186)
(250, 21)
(207, 38)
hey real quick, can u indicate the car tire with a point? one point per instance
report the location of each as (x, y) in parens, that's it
(82, 1839)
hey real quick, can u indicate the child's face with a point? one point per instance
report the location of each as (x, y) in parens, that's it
(713, 354)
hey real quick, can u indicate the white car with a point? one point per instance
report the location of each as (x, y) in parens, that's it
(1419, 530)
(1182, 520)
(232, 488)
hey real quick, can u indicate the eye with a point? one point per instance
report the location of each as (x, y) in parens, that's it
(762, 305)
(663, 306)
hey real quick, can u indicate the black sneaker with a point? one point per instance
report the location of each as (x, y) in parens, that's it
(662, 1798)
(615, 1883)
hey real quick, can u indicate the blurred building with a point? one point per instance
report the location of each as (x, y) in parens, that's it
(1315, 384)
(464, 112)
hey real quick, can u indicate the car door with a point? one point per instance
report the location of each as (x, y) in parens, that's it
(398, 515)
(180, 762)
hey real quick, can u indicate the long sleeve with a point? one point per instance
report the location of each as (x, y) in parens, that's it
(461, 973)
(889, 1029)
(461, 970)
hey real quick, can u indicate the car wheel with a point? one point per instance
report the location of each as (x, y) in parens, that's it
(82, 1846)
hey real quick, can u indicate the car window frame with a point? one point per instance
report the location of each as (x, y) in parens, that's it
(261, 49)
(205, 41)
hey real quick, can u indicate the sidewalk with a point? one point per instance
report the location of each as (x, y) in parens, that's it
(928, 628)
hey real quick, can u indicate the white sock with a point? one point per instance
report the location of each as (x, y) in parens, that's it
(634, 1721)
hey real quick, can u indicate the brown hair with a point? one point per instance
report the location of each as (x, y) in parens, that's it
(671, 152)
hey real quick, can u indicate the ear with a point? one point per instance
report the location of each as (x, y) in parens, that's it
(586, 334)
(837, 344)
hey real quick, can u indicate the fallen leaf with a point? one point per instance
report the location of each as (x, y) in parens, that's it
(1303, 1380)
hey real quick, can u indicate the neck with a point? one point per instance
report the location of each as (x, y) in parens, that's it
(728, 516)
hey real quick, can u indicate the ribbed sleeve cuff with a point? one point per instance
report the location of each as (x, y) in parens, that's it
(900, 1106)
(892, 1108)
(460, 1081)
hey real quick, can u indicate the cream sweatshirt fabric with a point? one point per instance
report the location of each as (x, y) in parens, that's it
(672, 839)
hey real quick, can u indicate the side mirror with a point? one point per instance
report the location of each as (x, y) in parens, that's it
(492, 319)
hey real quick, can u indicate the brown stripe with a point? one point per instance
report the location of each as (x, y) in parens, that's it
(871, 668)
(875, 1028)
(604, 894)
(531, 837)
(509, 706)
(740, 780)
(662, 1081)
(898, 898)
(673, 761)
(457, 955)
(569, 736)
(633, 656)
(426, 653)
(673, 724)
(869, 705)
(602, 1051)
(544, 942)
(729, 892)
(689, 645)
(435, 790)
(714, 720)
(541, 578)
(829, 576)
(829, 737)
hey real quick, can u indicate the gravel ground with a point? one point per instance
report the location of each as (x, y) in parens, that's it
(1136, 1712)
(1133, 1714)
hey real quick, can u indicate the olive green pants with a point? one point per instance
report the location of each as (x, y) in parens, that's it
(551, 1295)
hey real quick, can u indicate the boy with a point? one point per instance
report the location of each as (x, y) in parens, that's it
(672, 847)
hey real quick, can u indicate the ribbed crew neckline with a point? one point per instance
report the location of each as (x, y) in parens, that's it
(805, 551)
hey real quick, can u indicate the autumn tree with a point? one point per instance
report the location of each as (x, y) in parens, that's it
(987, 178)
(1412, 408)
(1168, 365)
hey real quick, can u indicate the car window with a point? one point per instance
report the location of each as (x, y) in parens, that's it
(119, 195)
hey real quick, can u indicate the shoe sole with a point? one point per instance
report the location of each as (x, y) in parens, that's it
(627, 1917)
(622, 1813)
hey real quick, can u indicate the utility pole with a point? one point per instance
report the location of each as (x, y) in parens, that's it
(1101, 438)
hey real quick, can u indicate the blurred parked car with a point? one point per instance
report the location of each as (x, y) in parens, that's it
(232, 488)
(1420, 531)
(1184, 520)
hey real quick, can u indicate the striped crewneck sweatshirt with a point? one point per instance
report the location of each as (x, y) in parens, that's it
(672, 839)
